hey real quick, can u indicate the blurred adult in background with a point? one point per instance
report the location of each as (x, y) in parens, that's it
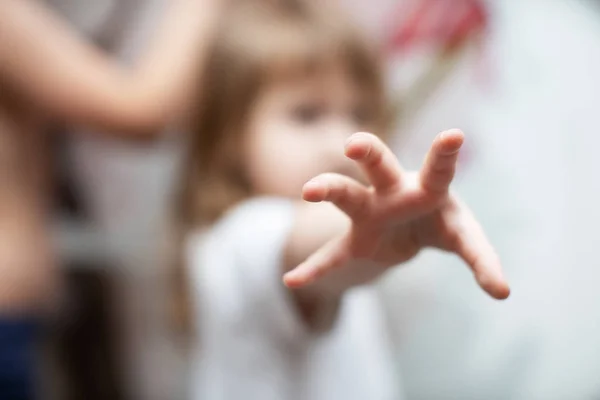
(50, 73)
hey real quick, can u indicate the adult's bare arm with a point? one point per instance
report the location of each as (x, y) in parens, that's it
(50, 65)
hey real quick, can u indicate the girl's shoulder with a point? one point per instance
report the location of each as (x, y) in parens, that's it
(248, 224)
(266, 209)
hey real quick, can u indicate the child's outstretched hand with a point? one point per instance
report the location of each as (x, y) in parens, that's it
(400, 214)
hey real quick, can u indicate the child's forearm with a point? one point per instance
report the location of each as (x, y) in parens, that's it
(316, 224)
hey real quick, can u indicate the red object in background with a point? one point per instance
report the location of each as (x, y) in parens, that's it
(443, 23)
(447, 26)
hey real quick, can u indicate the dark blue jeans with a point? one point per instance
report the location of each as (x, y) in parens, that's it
(18, 339)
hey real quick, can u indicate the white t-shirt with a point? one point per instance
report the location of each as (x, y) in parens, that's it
(251, 341)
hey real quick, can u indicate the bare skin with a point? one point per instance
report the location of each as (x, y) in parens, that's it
(383, 225)
(362, 212)
(26, 263)
(58, 72)
(49, 73)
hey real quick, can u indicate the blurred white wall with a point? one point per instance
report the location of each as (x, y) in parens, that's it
(531, 174)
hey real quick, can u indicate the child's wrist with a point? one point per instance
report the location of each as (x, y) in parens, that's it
(318, 308)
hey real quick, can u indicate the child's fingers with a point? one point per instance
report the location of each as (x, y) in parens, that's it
(471, 244)
(332, 255)
(347, 194)
(440, 163)
(376, 159)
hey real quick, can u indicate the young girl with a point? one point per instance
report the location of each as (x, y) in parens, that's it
(287, 85)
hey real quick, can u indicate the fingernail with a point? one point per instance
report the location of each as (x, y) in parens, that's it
(498, 289)
(355, 136)
(447, 133)
(313, 182)
(451, 132)
(291, 281)
(505, 293)
(349, 141)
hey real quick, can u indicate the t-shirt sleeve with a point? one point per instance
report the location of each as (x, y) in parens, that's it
(242, 269)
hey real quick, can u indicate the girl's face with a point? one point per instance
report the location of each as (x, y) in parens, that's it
(297, 130)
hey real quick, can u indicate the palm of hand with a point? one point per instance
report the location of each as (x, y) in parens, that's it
(400, 214)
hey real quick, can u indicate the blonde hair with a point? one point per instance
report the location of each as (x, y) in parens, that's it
(257, 43)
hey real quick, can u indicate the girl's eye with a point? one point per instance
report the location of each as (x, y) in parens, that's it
(308, 113)
(361, 114)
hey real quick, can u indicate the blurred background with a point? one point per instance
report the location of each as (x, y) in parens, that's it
(521, 78)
